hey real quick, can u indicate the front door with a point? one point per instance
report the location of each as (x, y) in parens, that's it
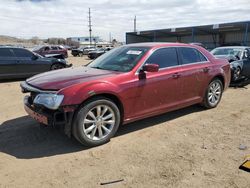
(158, 90)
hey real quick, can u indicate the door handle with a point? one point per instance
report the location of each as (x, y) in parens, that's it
(176, 75)
(206, 69)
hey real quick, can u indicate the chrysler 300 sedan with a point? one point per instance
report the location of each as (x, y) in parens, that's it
(126, 84)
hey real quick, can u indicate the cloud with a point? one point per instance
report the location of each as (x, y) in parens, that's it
(64, 18)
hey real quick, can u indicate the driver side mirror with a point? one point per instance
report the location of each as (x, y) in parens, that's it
(151, 68)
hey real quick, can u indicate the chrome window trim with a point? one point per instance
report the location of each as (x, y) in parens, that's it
(28, 88)
(180, 65)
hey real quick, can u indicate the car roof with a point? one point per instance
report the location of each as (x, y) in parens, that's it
(159, 44)
(15, 47)
(241, 47)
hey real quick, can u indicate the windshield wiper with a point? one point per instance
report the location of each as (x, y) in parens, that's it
(97, 67)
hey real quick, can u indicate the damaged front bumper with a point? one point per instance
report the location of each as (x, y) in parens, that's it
(60, 117)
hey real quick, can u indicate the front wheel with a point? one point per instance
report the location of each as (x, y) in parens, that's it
(96, 122)
(213, 94)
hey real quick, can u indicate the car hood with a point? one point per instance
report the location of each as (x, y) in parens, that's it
(228, 57)
(59, 79)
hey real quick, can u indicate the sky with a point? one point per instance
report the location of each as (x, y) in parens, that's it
(69, 18)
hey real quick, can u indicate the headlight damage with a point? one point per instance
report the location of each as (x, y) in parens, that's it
(51, 101)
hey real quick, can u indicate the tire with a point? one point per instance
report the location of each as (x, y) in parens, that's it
(236, 74)
(92, 128)
(57, 66)
(213, 94)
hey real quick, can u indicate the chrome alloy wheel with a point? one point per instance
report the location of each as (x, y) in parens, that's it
(214, 93)
(236, 74)
(99, 122)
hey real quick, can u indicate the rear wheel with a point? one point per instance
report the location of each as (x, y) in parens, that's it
(96, 122)
(57, 66)
(213, 94)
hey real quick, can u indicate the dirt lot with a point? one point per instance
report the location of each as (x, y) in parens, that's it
(186, 148)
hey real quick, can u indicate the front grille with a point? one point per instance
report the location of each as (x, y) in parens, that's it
(32, 97)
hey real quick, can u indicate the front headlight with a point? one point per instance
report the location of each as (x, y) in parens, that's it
(51, 101)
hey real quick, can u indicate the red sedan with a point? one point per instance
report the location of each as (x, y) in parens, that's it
(126, 84)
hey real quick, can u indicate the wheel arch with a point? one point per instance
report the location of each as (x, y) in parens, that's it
(221, 78)
(57, 62)
(109, 96)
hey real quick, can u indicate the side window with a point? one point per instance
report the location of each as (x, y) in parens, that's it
(202, 57)
(46, 48)
(54, 48)
(165, 57)
(5, 52)
(191, 55)
(22, 53)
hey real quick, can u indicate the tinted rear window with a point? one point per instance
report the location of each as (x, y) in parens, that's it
(191, 55)
(5, 52)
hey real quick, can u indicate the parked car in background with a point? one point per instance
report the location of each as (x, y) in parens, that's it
(22, 63)
(77, 51)
(67, 47)
(96, 53)
(88, 49)
(53, 50)
(238, 57)
(82, 51)
(126, 84)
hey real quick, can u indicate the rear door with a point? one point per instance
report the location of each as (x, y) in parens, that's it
(195, 70)
(7, 64)
(54, 50)
(27, 64)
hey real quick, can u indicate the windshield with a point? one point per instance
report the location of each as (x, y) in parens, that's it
(227, 51)
(38, 55)
(122, 59)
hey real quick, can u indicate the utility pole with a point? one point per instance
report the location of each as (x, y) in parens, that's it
(110, 37)
(90, 29)
(135, 24)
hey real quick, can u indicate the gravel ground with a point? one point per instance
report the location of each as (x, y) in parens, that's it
(191, 147)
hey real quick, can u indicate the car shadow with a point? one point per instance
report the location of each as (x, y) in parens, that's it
(24, 138)
(240, 83)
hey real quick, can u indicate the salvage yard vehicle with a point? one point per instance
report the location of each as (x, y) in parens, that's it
(239, 59)
(77, 51)
(126, 84)
(51, 50)
(96, 53)
(82, 51)
(22, 63)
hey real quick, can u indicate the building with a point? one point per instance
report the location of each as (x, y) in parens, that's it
(211, 36)
(85, 41)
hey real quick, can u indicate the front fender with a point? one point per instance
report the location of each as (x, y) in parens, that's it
(77, 94)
